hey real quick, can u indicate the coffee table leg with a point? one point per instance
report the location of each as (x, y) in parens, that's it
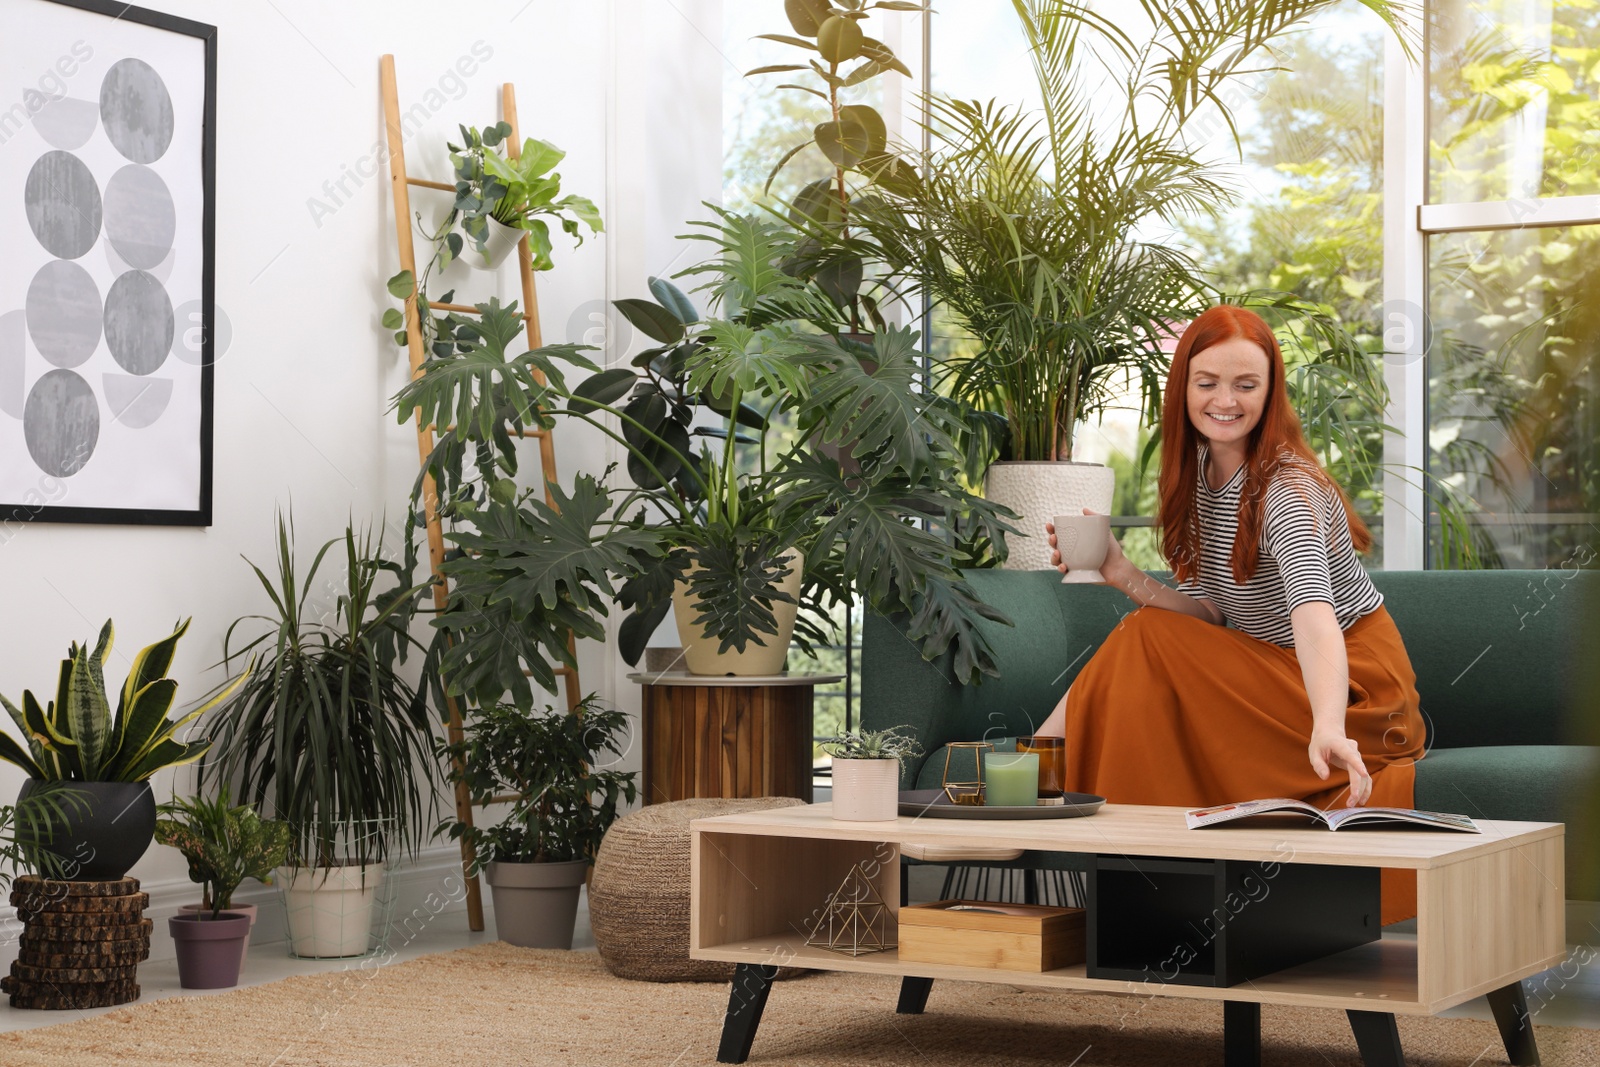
(1510, 1008)
(1241, 1033)
(1377, 1037)
(746, 1000)
(913, 995)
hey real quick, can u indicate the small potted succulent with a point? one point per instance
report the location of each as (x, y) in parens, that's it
(224, 844)
(866, 772)
(537, 857)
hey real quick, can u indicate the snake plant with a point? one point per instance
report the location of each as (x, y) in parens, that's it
(76, 737)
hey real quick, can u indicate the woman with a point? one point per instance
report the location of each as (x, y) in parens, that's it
(1309, 693)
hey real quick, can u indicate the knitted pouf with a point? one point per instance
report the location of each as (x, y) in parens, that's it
(639, 895)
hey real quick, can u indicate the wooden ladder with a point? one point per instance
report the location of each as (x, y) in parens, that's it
(400, 184)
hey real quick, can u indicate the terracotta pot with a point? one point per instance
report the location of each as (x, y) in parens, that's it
(536, 904)
(247, 910)
(866, 790)
(763, 656)
(210, 951)
(1039, 490)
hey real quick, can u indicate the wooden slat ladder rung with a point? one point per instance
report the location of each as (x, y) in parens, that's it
(400, 185)
(536, 432)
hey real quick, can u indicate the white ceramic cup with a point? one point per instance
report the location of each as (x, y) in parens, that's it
(1081, 539)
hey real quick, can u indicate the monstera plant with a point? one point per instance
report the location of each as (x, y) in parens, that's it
(720, 514)
(108, 757)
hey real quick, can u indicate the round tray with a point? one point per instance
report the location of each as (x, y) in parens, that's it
(933, 804)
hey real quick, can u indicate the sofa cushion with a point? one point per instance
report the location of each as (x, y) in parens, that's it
(1531, 783)
(1494, 651)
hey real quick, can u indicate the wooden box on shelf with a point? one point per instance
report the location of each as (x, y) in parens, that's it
(1007, 937)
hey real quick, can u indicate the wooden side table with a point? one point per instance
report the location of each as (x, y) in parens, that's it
(709, 736)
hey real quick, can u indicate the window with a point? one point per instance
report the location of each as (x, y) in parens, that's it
(1512, 231)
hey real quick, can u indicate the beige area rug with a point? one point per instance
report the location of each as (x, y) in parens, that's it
(494, 1005)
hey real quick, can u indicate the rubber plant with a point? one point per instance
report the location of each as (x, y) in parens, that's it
(854, 139)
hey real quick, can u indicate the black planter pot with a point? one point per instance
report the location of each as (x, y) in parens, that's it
(109, 827)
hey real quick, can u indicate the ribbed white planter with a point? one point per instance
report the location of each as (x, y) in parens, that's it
(501, 243)
(763, 656)
(866, 790)
(1039, 490)
(330, 909)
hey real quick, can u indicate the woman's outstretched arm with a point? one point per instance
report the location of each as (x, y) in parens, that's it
(1319, 645)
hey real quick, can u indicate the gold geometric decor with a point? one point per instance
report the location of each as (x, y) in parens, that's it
(856, 920)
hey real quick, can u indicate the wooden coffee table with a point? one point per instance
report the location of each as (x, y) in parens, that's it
(1491, 911)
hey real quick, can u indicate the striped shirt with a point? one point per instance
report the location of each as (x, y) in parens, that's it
(1306, 554)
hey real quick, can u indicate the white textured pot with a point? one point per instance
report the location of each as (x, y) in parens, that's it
(501, 243)
(1038, 491)
(866, 790)
(330, 909)
(763, 656)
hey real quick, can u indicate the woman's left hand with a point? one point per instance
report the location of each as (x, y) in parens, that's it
(1330, 749)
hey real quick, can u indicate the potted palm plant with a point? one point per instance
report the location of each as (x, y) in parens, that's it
(1041, 235)
(224, 844)
(328, 736)
(866, 772)
(107, 757)
(537, 856)
(727, 511)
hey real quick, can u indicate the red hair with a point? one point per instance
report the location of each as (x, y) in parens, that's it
(1277, 432)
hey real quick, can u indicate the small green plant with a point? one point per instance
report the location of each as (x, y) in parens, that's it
(873, 744)
(76, 738)
(514, 192)
(224, 844)
(550, 760)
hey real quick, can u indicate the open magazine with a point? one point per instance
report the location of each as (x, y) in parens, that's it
(1433, 820)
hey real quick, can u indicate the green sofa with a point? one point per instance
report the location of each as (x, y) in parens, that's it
(1497, 656)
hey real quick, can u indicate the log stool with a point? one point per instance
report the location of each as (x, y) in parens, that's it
(81, 943)
(639, 896)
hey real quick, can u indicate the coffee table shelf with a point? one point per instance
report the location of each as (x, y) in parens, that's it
(1380, 976)
(1490, 912)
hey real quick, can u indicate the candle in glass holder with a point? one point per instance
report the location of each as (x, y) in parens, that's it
(1052, 753)
(1010, 779)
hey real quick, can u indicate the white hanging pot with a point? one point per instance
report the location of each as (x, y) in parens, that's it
(501, 243)
(330, 909)
(764, 655)
(866, 790)
(1038, 491)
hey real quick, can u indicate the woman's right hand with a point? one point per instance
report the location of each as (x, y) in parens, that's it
(1115, 561)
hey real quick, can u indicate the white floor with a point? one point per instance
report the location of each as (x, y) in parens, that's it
(1563, 996)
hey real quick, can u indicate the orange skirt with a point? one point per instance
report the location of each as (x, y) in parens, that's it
(1175, 710)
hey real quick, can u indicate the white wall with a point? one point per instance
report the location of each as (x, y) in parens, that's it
(305, 240)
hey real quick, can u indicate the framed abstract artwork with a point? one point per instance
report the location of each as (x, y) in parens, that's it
(107, 276)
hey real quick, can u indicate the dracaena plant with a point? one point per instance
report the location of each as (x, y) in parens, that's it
(853, 138)
(718, 506)
(76, 737)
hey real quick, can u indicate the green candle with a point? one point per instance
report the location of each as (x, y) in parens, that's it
(1011, 779)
